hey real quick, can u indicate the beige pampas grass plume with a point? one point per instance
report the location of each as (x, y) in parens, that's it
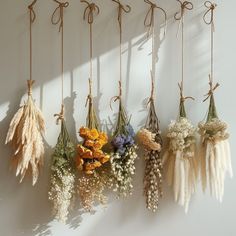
(25, 136)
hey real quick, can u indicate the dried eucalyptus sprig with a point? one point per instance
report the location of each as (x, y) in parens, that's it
(25, 135)
(62, 175)
(150, 138)
(124, 154)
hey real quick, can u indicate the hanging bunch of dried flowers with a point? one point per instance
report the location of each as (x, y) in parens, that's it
(180, 157)
(26, 129)
(215, 150)
(150, 136)
(124, 153)
(91, 160)
(62, 174)
(62, 168)
(150, 139)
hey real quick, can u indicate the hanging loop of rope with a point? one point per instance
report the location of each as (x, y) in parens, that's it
(186, 5)
(90, 10)
(57, 16)
(210, 12)
(149, 18)
(124, 8)
(32, 17)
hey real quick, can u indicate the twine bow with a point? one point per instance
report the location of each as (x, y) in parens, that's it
(186, 5)
(118, 97)
(89, 97)
(182, 97)
(59, 10)
(211, 7)
(149, 18)
(60, 116)
(212, 89)
(90, 10)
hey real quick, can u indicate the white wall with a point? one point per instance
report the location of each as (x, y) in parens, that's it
(25, 210)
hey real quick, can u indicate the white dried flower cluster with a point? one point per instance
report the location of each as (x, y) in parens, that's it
(214, 130)
(91, 190)
(147, 139)
(153, 180)
(181, 136)
(61, 193)
(123, 168)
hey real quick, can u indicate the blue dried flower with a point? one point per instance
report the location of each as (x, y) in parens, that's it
(118, 141)
(121, 150)
(129, 141)
(130, 130)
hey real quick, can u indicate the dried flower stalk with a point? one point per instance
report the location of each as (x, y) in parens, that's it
(151, 140)
(25, 136)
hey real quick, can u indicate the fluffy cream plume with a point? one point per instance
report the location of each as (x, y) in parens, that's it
(180, 160)
(25, 135)
(215, 156)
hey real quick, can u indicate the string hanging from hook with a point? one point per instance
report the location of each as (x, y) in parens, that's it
(210, 21)
(179, 16)
(121, 9)
(149, 22)
(57, 18)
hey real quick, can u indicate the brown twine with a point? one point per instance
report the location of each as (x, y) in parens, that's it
(30, 83)
(182, 97)
(32, 17)
(179, 16)
(90, 10)
(118, 97)
(125, 9)
(89, 97)
(210, 11)
(59, 19)
(149, 20)
(60, 116)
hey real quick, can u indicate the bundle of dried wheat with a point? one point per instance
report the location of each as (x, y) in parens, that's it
(25, 135)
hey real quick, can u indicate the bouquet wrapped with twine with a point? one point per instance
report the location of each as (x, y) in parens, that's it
(25, 135)
(215, 155)
(92, 161)
(180, 158)
(124, 154)
(62, 174)
(150, 139)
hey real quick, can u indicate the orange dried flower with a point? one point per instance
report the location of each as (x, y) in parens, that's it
(83, 132)
(105, 159)
(103, 138)
(93, 134)
(89, 143)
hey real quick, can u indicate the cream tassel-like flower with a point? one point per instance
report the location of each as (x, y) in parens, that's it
(215, 153)
(25, 135)
(180, 159)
